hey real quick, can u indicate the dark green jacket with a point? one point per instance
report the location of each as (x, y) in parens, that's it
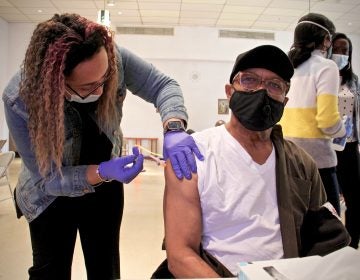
(307, 228)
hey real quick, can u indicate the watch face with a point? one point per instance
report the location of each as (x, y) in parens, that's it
(173, 125)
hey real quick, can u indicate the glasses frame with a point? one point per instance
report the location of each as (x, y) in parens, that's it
(262, 82)
(105, 79)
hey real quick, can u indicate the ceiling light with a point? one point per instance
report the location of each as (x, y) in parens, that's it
(111, 3)
(104, 17)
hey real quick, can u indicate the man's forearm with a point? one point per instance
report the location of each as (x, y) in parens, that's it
(190, 266)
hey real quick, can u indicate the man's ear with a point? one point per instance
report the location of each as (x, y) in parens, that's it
(229, 90)
(286, 100)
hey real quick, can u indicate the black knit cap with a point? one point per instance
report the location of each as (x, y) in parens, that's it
(268, 57)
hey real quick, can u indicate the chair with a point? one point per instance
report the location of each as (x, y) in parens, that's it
(5, 160)
(2, 143)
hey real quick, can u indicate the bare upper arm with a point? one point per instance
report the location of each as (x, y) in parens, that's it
(182, 213)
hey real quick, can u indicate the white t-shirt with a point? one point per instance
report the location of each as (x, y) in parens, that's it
(238, 201)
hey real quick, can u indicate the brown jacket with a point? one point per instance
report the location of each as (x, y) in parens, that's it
(306, 227)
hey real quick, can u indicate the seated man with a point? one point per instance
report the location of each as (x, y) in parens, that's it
(256, 196)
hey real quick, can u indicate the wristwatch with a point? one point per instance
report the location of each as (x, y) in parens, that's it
(174, 126)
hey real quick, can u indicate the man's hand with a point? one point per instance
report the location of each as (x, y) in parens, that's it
(179, 147)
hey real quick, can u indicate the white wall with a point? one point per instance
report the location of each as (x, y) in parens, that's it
(3, 75)
(192, 51)
(15, 38)
(18, 40)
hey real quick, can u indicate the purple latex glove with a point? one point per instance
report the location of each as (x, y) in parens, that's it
(179, 147)
(123, 169)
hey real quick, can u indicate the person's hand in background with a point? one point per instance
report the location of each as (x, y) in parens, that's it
(179, 147)
(348, 126)
(123, 169)
(339, 143)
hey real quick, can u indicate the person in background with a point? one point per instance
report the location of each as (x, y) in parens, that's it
(256, 196)
(311, 117)
(219, 122)
(348, 167)
(63, 110)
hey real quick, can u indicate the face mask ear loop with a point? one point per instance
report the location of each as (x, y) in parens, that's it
(329, 52)
(349, 65)
(318, 25)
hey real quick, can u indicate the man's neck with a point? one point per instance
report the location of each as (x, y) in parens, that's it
(258, 144)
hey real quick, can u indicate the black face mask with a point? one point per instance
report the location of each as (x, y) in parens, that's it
(256, 110)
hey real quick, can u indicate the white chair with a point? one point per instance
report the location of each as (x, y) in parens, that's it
(5, 160)
(2, 143)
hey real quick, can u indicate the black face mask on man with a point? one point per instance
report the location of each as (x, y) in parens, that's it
(256, 110)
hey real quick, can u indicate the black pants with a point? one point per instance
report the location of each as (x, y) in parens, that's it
(348, 172)
(330, 181)
(97, 217)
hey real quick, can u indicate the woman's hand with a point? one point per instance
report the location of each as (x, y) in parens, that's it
(180, 148)
(123, 169)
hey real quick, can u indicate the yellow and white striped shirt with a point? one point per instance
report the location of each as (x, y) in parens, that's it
(311, 116)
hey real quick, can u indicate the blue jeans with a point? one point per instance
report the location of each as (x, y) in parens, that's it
(330, 181)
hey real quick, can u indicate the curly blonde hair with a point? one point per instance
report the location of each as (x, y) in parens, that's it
(57, 46)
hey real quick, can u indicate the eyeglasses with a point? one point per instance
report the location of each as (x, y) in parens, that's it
(84, 93)
(251, 81)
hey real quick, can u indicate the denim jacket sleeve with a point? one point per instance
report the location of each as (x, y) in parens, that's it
(73, 180)
(145, 81)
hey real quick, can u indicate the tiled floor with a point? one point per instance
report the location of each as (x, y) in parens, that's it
(141, 230)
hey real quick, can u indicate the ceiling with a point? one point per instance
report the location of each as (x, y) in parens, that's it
(234, 14)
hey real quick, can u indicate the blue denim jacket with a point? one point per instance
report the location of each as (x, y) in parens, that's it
(34, 193)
